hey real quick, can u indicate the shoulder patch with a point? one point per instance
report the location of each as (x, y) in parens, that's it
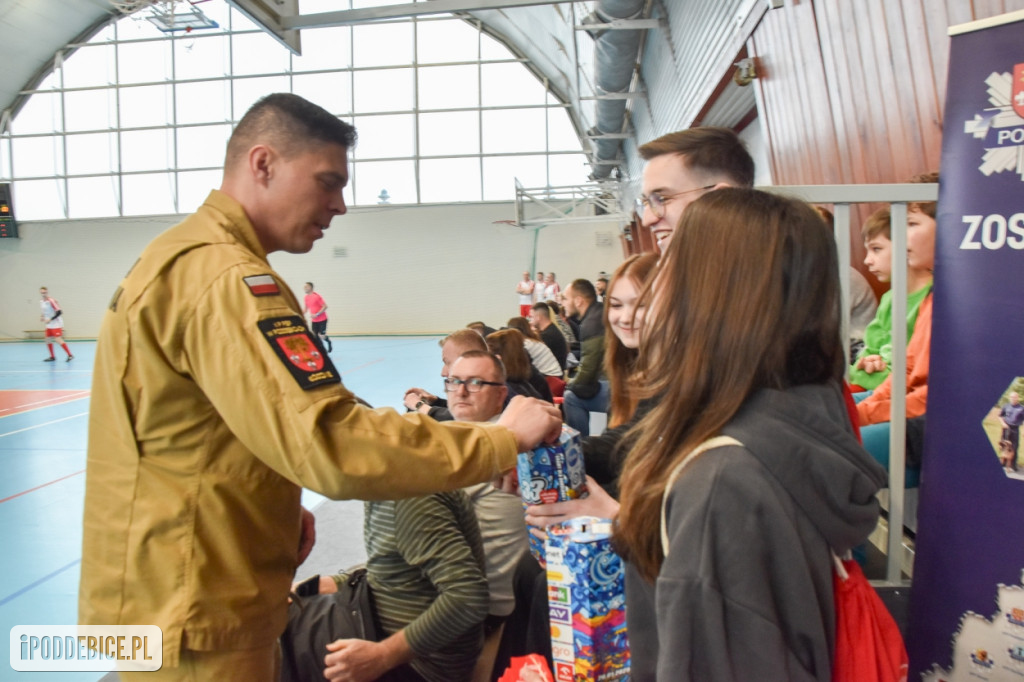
(262, 285)
(301, 354)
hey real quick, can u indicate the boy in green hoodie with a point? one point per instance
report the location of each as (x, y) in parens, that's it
(873, 362)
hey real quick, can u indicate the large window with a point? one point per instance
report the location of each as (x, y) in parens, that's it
(135, 121)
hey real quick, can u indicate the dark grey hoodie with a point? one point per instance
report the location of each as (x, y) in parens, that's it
(746, 590)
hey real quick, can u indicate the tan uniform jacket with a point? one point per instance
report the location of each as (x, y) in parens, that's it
(200, 436)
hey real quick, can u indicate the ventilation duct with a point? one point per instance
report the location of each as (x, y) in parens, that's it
(615, 52)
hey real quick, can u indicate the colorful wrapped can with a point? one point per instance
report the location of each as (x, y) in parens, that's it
(586, 603)
(551, 473)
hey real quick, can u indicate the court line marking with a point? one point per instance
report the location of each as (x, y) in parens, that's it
(362, 366)
(49, 402)
(18, 593)
(49, 372)
(37, 426)
(41, 485)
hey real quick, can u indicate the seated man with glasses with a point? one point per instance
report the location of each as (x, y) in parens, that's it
(681, 167)
(476, 393)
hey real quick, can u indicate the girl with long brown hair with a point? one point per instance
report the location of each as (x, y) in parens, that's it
(729, 573)
(623, 318)
(603, 454)
(523, 377)
(541, 356)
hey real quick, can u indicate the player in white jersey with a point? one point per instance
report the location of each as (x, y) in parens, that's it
(54, 321)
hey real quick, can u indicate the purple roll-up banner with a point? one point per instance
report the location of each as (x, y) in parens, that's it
(966, 619)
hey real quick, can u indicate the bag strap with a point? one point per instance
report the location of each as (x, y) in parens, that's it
(841, 571)
(709, 444)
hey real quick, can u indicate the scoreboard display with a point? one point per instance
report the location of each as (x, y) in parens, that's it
(8, 226)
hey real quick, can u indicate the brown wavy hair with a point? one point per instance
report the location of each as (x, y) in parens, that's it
(523, 325)
(619, 361)
(508, 344)
(746, 297)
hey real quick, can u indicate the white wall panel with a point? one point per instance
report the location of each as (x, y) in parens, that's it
(406, 270)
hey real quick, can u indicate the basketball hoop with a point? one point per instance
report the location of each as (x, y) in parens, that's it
(130, 6)
(162, 14)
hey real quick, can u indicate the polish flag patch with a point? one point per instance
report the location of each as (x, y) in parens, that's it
(262, 285)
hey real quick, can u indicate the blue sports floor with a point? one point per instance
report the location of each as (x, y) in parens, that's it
(43, 429)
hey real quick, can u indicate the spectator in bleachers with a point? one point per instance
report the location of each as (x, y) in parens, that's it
(452, 346)
(558, 317)
(874, 410)
(425, 567)
(588, 391)
(571, 340)
(684, 165)
(522, 377)
(540, 355)
(601, 286)
(481, 328)
(862, 298)
(872, 365)
(540, 321)
(480, 398)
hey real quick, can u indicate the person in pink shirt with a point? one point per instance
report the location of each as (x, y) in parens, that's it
(315, 307)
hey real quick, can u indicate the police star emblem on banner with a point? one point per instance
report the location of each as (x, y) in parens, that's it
(1001, 125)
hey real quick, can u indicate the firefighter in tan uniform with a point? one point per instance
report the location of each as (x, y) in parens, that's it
(212, 405)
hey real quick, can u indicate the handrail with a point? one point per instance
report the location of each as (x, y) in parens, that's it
(898, 196)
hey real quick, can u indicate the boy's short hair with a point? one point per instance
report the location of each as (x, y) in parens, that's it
(878, 223)
(926, 207)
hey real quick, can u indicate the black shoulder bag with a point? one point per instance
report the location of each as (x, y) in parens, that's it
(319, 619)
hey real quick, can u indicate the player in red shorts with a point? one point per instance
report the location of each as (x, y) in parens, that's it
(54, 325)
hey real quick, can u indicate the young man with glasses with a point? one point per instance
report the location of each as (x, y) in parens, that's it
(682, 166)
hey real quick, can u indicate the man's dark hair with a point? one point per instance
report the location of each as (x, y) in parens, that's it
(311, 285)
(584, 288)
(708, 151)
(541, 305)
(292, 123)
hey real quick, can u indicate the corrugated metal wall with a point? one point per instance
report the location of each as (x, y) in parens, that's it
(853, 92)
(683, 65)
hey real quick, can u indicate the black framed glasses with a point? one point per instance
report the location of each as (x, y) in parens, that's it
(657, 201)
(474, 385)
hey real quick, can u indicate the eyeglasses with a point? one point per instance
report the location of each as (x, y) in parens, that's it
(657, 201)
(451, 384)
